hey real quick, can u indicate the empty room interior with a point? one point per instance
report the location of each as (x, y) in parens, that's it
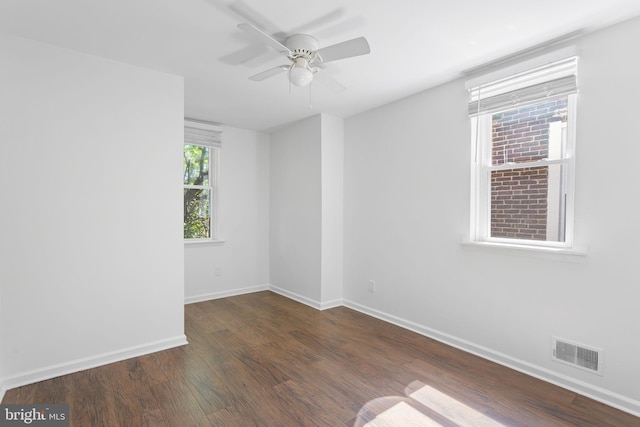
(394, 213)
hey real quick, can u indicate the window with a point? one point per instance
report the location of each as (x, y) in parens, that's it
(200, 171)
(523, 156)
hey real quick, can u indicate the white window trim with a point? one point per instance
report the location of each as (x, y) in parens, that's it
(480, 202)
(215, 147)
(562, 254)
(214, 242)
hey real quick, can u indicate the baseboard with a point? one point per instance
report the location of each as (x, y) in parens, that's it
(241, 291)
(296, 297)
(602, 395)
(331, 304)
(318, 305)
(224, 294)
(77, 365)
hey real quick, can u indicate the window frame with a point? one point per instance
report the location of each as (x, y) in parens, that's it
(481, 168)
(213, 143)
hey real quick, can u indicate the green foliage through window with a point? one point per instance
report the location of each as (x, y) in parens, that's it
(197, 192)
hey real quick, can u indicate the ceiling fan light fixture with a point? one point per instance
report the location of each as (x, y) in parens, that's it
(305, 56)
(300, 75)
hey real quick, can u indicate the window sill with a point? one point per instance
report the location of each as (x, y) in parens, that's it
(562, 254)
(198, 242)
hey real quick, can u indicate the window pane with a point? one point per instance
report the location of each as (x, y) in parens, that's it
(529, 133)
(529, 203)
(195, 165)
(197, 214)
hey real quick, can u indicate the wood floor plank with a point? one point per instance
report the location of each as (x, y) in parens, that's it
(148, 419)
(55, 391)
(595, 413)
(264, 360)
(91, 403)
(130, 387)
(19, 395)
(299, 406)
(207, 386)
(178, 405)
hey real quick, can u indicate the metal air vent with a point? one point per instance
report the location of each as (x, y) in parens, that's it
(577, 355)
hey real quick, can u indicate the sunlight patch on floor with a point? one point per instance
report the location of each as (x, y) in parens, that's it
(402, 414)
(452, 409)
(422, 406)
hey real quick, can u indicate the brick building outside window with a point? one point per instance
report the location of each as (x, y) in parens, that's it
(523, 156)
(528, 202)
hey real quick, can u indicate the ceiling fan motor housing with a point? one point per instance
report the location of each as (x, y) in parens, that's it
(302, 45)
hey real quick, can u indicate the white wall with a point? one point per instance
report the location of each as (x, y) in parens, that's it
(406, 209)
(332, 171)
(91, 247)
(296, 210)
(243, 260)
(306, 205)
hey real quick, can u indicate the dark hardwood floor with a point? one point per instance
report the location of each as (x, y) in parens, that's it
(262, 359)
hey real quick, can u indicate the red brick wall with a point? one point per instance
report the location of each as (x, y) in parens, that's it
(519, 196)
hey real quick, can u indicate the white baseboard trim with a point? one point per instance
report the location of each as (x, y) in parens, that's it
(607, 397)
(241, 291)
(331, 304)
(296, 297)
(3, 389)
(224, 294)
(77, 365)
(318, 305)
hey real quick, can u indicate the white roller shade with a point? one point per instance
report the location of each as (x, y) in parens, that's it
(552, 80)
(200, 133)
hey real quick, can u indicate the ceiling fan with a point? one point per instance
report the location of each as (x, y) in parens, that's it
(305, 56)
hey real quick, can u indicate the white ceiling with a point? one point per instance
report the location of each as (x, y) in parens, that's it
(415, 44)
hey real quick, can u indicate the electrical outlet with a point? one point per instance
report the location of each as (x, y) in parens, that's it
(217, 271)
(372, 286)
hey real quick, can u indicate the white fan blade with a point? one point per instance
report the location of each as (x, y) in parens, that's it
(265, 38)
(248, 14)
(328, 81)
(344, 26)
(318, 22)
(355, 47)
(269, 73)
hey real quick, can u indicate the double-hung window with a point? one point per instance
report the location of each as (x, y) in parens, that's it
(201, 153)
(523, 143)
